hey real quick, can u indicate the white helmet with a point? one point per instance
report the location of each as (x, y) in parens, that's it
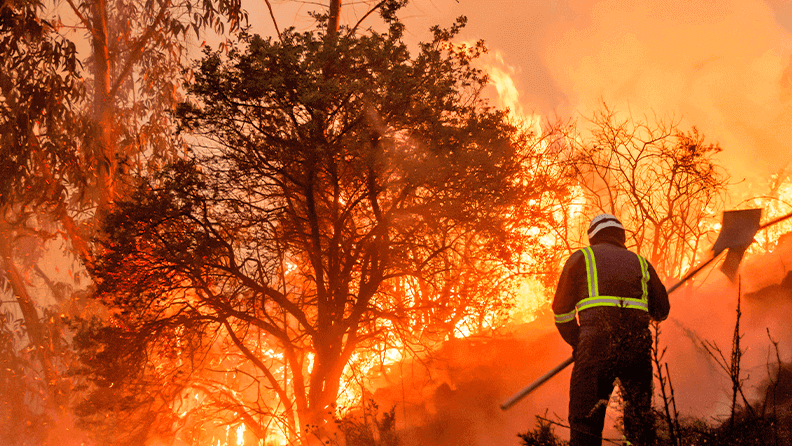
(601, 222)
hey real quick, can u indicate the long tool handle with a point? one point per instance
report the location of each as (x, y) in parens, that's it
(690, 274)
(529, 388)
(777, 220)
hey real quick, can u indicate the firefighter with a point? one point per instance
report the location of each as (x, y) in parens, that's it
(605, 299)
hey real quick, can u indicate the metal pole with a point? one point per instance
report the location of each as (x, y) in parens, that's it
(529, 388)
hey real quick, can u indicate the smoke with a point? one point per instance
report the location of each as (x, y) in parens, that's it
(707, 312)
(723, 66)
(453, 398)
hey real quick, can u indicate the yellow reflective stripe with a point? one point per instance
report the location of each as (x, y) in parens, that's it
(591, 272)
(595, 300)
(566, 317)
(612, 301)
(644, 278)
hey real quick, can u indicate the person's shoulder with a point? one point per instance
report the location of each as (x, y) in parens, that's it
(576, 256)
(579, 253)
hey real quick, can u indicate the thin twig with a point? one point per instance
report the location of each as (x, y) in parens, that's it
(80, 15)
(272, 14)
(657, 357)
(774, 383)
(137, 50)
(673, 403)
(379, 5)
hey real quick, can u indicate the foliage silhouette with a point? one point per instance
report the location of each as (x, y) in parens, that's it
(337, 200)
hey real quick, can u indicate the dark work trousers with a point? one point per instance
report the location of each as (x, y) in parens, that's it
(613, 343)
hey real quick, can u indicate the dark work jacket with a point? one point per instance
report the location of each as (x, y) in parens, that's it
(619, 274)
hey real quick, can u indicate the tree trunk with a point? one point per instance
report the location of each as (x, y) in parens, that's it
(325, 379)
(33, 325)
(334, 19)
(102, 151)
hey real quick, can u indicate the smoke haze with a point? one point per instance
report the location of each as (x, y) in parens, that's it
(453, 398)
(723, 66)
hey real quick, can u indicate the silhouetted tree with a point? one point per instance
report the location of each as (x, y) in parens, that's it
(335, 196)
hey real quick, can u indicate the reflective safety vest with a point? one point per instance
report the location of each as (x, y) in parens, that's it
(594, 298)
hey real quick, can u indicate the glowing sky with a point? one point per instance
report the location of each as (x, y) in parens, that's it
(723, 66)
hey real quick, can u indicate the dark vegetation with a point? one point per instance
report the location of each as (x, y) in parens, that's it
(743, 429)
(368, 427)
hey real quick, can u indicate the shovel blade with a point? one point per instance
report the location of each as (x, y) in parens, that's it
(732, 262)
(738, 229)
(737, 233)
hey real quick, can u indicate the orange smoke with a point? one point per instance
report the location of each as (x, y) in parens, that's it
(721, 66)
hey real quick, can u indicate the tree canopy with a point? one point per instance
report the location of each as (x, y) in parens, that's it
(335, 197)
(73, 123)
